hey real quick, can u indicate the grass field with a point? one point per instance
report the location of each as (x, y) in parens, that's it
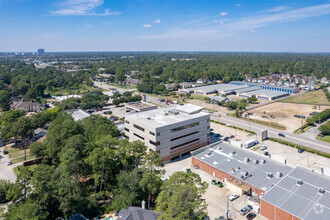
(325, 138)
(17, 155)
(314, 98)
(84, 88)
(261, 122)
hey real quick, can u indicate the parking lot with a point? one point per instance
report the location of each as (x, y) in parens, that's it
(6, 172)
(216, 198)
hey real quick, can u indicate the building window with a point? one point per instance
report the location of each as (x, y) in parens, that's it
(152, 133)
(154, 143)
(126, 129)
(139, 136)
(185, 127)
(138, 127)
(180, 145)
(186, 135)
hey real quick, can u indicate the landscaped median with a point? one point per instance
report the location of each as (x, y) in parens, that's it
(241, 129)
(300, 147)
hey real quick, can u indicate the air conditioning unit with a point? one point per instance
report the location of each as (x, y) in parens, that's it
(299, 182)
(321, 191)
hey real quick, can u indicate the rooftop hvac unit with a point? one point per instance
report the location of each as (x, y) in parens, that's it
(233, 170)
(262, 161)
(256, 161)
(299, 182)
(220, 149)
(270, 175)
(246, 159)
(321, 191)
(149, 118)
(278, 174)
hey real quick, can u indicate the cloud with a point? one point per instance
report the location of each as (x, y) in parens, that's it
(87, 26)
(278, 8)
(82, 7)
(257, 21)
(223, 13)
(157, 21)
(238, 5)
(108, 23)
(147, 25)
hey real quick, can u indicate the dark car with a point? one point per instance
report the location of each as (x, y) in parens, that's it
(162, 100)
(300, 150)
(5, 152)
(249, 207)
(281, 134)
(231, 136)
(217, 135)
(266, 153)
(108, 112)
(214, 182)
(188, 170)
(211, 133)
(251, 215)
(220, 184)
(226, 138)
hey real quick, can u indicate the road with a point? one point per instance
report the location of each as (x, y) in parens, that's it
(7, 172)
(294, 138)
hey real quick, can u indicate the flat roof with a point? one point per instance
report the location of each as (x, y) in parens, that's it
(166, 116)
(222, 87)
(228, 159)
(302, 200)
(259, 84)
(248, 89)
(139, 105)
(269, 93)
(78, 114)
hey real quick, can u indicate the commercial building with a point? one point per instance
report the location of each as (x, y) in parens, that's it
(172, 131)
(225, 89)
(139, 106)
(267, 87)
(301, 194)
(243, 171)
(78, 114)
(263, 94)
(65, 97)
(27, 106)
(41, 52)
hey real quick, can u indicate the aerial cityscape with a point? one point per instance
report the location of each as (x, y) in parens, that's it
(159, 110)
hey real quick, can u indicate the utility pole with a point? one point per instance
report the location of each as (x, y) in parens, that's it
(227, 212)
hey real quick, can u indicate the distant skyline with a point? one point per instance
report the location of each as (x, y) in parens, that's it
(165, 25)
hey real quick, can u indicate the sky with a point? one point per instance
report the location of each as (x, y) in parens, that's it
(165, 25)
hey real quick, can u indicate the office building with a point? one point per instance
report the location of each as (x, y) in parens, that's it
(172, 131)
(41, 52)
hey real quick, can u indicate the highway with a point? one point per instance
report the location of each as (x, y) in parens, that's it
(293, 138)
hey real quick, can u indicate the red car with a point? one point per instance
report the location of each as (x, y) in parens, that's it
(169, 101)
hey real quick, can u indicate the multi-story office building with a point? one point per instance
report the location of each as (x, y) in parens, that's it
(172, 131)
(41, 52)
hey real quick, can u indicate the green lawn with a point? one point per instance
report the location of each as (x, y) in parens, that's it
(21, 159)
(84, 88)
(17, 155)
(325, 138)
(314, 98)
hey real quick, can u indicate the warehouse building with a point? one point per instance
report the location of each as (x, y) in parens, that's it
(267, 87)
(172, 132)
(243, 171)
(263, 94)
(302, 194)
(225, 89)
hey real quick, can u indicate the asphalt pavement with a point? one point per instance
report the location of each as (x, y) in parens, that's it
(293, 138)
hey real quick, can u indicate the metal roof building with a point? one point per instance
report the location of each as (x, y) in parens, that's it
(302, 194)
(216, 88)
(230, 163)
(267, 87)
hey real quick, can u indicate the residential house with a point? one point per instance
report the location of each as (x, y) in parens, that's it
(201, 81)
(137, 213)
(27, 106)
(324, 80)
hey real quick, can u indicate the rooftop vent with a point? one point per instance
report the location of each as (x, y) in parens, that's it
(149, 118)
(270, 175)
(262, 161)
(233, 170)
(299, 182)
(321, 191)
(256, 161)
(246, 159)
(220, 149)
(278, 174)
(232, 153)
(215, 162)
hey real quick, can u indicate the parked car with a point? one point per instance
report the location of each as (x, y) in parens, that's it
(188, 170)
(211, 129)
(226, 138)
(233, 196)
(108, 112)
(281, 134)
(128, 110)
(5, 152)
(300, 150)
(211, 133)
(266, 153)
(217, 135)
(249, 207)
(220, 184)
(244, 211)
(9, 162)
(251, 215)
(214, 182)
(232, 136)
(162, 100)
(263, 147)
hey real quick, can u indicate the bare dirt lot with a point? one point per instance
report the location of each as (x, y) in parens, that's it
(282, 113)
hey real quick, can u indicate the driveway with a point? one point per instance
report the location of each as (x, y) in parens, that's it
(6, 172)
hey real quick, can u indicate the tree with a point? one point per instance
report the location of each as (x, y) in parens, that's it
(188, 95)
(173, 94)
(4, 99)
(151, 177)
(207, 99)
(242, 104)
(181, 197)
(231, 105)
(252, 99)
(325, 129)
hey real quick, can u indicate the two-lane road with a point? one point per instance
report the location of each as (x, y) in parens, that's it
(294, 138)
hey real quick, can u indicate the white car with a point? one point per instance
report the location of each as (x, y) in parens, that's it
(9, 162)
(233, 196)
(263, 147)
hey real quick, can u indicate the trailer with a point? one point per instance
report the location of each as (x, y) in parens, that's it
(251, 143)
